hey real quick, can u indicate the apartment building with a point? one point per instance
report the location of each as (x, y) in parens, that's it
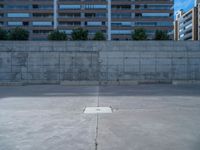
(198, 11)
(186, 24)
(115, 18)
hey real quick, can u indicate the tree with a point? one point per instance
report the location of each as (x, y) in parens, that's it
(99, 36)
(18, 34)
(79, 34)
(139, 34)
(3, 34)
(161, 35)
(57, 36)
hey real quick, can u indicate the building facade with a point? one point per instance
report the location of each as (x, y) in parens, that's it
(186, 25)
(115, 18)
(198, 11)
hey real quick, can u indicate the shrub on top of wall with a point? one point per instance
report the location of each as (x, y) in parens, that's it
(57, 36)
(99, 36)
(3, 34)
(139, 34)
(18, 34)
(161, 35)
(79, 34)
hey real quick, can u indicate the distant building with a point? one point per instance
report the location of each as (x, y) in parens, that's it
(186, 25)
(115, 18)
(196, 2)
(198, 9)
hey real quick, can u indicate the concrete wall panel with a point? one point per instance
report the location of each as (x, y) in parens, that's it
(52, 62)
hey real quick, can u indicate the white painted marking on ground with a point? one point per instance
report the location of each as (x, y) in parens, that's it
(97, 110)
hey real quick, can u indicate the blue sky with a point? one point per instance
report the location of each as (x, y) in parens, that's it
(183, 4)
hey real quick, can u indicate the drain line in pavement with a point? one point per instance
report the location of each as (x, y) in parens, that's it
(97, 110)
(97, 130)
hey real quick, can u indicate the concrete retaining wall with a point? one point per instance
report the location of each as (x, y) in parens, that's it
(52, 62)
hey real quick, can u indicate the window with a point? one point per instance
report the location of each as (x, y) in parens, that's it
(66, 31)
(23, 15)
(121, 32)
(35, 6)
(25, 23)
(95, 6)
(70, 6)
(94, 23)
(15, 23)
(42, 23)
(121, 23)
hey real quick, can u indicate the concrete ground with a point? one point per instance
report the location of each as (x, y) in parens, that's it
(145, 117)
